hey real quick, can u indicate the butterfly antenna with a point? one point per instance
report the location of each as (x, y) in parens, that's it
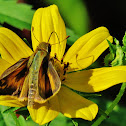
(34, 34)
(51, 35)
(65, 38)
(57, 37)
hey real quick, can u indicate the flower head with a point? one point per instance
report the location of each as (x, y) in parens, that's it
(80, 55)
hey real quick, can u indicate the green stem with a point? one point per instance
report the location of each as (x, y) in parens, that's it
(47, 124)
(114, 103)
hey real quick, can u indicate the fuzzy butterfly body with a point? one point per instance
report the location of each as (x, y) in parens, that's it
(33, 79)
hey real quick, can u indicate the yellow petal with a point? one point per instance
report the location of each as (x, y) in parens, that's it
(44, 113)
(45, 21)
(12, 48)
(3, 65)
(11, 101)
(73, 105)
(90, 45)
(80, 64)
(96, 80)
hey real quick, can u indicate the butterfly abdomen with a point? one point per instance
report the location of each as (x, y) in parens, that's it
(31, 94)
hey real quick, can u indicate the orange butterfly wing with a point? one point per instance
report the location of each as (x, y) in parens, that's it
(49, 83)
(11, 81)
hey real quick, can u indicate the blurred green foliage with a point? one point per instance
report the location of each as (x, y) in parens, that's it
(73, 37)
(75, 14)
(17, 15)
(10, 118)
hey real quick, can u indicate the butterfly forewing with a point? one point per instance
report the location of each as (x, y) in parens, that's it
(11, 81)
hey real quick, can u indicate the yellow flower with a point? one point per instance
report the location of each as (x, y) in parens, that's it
(82, 54)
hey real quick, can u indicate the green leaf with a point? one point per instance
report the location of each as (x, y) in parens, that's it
(10, 109)
(61, 120)
(116, 55)
(116, 41)
(18, 15)
(22, 121)
(124, 49)
(124, 40)
(2, 123)
(108, 58)
(30, 122)
(10, 119)
(124, 44)
(74, 13)
(119, 55)
(112, 48)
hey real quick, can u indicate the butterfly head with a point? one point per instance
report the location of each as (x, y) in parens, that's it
(44, 46)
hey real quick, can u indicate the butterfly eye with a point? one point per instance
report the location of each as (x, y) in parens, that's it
(49, 48)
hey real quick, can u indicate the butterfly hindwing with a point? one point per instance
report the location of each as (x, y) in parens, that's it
(55, 81)
(49, 83)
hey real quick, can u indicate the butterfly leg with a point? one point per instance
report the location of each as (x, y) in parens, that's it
(16, 92)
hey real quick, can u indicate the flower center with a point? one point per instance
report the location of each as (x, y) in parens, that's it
(60, 68)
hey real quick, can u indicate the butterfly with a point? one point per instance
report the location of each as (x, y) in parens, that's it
(32, 79)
